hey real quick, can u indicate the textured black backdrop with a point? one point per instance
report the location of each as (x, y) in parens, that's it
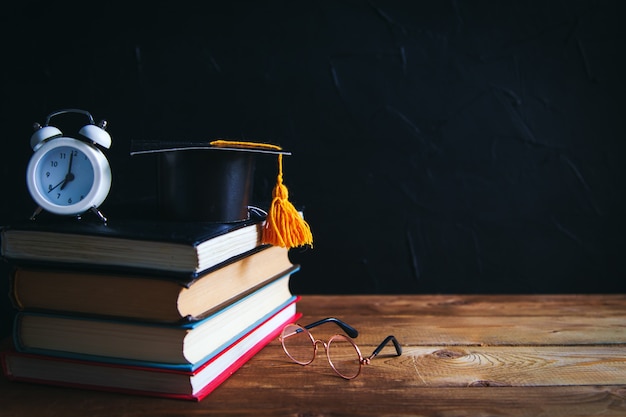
(438, 146)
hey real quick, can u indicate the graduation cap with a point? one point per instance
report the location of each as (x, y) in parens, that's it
(212, 181)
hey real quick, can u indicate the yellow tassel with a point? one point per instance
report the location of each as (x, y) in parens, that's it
(284, 226)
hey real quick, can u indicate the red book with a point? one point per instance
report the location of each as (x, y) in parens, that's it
(148, 380)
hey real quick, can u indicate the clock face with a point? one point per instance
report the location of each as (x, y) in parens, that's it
(64, 176)
(67, 176)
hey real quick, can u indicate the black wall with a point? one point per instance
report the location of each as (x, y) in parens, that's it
(438, 146)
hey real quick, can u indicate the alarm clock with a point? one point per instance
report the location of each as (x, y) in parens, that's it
(69, 176)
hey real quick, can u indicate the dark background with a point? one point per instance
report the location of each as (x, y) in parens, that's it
(438, 146)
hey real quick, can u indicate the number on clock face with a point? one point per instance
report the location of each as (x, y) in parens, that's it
(65, 176)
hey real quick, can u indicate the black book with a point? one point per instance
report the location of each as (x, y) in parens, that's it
(188, 249)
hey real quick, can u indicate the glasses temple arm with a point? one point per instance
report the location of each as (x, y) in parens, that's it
(351, 331)
(384, 343)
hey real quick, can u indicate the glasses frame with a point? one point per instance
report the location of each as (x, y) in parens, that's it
(351, 331)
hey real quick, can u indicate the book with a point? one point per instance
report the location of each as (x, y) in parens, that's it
(182, 344)
(148, 380)
(150, 297)
(165, 246)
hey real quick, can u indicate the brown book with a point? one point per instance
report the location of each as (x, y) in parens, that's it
(143, 296)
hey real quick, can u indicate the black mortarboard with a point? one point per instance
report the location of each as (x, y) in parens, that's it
(212, 181)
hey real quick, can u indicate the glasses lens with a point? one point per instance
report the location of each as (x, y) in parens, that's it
(344, 357)
(297, 344)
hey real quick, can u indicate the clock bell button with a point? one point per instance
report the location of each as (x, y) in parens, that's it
(43, 134)
(97, 134)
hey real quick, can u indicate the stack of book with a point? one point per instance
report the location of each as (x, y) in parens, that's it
(156, 308)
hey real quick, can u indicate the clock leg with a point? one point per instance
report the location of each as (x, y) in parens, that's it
(99, 214)
(36, 212)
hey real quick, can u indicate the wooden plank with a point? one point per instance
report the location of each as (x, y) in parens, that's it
(236, 398)
(434, 366)
(487, 330)
(356, 400)
(599, 305)
(510, 366)
(475, 320)
(249, 393)
(530, 330)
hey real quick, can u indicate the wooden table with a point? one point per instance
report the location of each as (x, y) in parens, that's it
(463, 355)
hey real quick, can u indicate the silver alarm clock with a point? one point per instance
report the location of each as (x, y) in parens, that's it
(69, 176)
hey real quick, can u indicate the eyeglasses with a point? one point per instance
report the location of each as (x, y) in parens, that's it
(342, 353)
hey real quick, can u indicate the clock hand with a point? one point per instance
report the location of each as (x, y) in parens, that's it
(69, 176)
(61, 183)
(69, 167)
